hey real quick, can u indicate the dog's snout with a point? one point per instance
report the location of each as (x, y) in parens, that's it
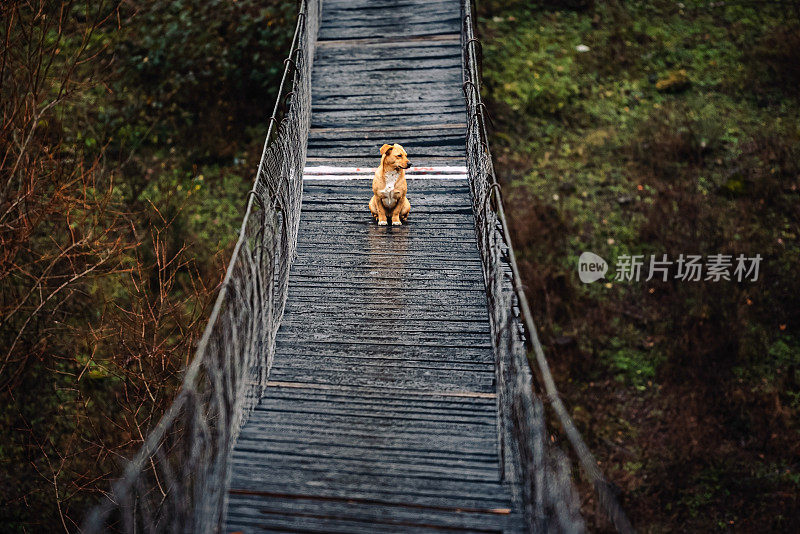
(409, 165)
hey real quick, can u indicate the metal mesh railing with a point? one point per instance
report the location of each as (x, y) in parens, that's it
(178, 480)
(538, 473)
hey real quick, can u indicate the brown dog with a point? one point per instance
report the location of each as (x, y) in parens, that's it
(389, 186)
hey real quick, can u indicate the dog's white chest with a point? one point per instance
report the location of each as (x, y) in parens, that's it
(389, 199)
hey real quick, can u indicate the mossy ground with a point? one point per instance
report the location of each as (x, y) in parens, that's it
(628, 128)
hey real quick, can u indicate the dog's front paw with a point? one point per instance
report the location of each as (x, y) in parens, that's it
(382, 223)
(396, 223)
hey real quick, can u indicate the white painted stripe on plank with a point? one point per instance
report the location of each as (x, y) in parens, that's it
(327, 172)
(330, 170)
(342, 177)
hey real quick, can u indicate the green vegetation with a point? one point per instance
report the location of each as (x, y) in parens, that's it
(662, 128)
(130, 137)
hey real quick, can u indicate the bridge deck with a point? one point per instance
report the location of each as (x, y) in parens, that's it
(381, 410)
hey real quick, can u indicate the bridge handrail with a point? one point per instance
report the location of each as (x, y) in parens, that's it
(177, 481)
(542, 476)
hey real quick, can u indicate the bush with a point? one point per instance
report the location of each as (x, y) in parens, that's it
(664, 378)
(114, 233)
(196, 62)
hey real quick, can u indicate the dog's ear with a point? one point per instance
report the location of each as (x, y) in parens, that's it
(386, 150)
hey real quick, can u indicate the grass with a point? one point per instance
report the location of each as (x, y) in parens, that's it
(656, 128)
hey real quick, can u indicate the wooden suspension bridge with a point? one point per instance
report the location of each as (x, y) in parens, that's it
(380, 412)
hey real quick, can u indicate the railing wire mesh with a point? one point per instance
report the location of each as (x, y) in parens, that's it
(178, 480)
(539, 474)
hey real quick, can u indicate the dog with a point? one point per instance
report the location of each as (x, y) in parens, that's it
(390, 188)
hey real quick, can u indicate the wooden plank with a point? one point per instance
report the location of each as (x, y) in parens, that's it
(457, 443)
(411, 316)
(371, 146)
(376, 5)
(453, 326)
(455, 396)
(398, 90)
(334, 273)
(428, 376)
(408, 378)
(417, 151)
(364, 228)
(383, 399)
(373, 510)
(391, 252)
(365, 31)
(364, 135)
(398, 437)
(435, 69)
(427, 50)
(292, 458)
(342, 407)
(244, 518)
(358, 484)
(376, 259)
(375, 310)
(321, 121)
(357, 364)
(454, 357)
(299, 333)
(312, 443)
(363, 42)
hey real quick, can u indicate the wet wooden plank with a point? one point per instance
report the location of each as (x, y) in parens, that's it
(375, 311)
(375, 401)
(357, 337)
(321, 121)
(362, 482)
(398, 439)
(262, 513)
(389, 378)
(374, 511)
(343, 408)
(357, 364)
(419, 443)
(436, 353)
(369, 146)
(367, 30)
